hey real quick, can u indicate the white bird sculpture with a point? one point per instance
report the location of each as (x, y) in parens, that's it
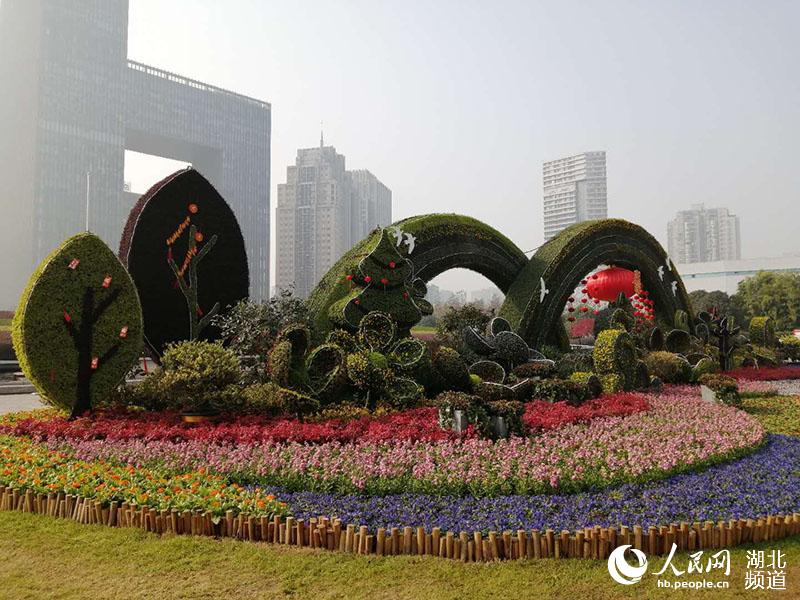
(543, 291)
(674, 288)
(398, 235)
(410, 242)
(661, 273)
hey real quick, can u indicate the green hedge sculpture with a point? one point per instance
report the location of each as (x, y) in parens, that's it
(78, 328)
(762, 331)
(615, 360)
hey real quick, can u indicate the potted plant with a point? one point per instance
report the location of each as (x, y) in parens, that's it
(458, 410)
(505, 418)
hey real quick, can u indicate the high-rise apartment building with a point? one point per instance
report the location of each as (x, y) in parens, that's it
(704, 235)
(323, 210)
(574, 190)
(72, 103)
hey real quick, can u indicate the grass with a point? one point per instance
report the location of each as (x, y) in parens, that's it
(53, 558)
(46, 557)
(778, 414)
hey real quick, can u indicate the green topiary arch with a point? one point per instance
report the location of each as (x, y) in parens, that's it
(443, 242)
(566, 259)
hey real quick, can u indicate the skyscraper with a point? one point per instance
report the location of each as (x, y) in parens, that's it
(703, 235)
(574, 191)
(72, 103)
(323, 210)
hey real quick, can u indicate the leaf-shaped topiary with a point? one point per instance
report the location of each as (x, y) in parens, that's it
(500, 345)
(78, 328)
(678, 341)
(184, 250)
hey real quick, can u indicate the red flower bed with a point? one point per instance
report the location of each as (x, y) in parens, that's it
(417, 424)
(545, 415)
(765, 373)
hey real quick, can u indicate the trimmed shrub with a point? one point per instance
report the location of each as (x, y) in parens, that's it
(184, 250)
(678, 341)
(543, 369)
(279, 362)
(668, 367)
(510, 349)
(344, 339)
(447, 402)
(790, 345)
(590, 380)
(765, 357)
(577, 360)
(726, 388)
(488, 371)
(263, 399)
(78, 327)
(297, 404)
(762, 331)
(511, 411)
(655, 341)
(703, 367)
(488, 391)
(611, 383)
(557, 390)
(615, 354)
(450, 369)
(642, 375)
(202, 377)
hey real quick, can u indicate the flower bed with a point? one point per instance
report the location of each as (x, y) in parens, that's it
(413, 425)
(677, 434)
(765, 373)
(765, 482)
(29, 466)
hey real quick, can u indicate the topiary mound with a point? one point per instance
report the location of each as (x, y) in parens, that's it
(184, 250)
(762, 331)
(78, 328)
(669, 367)
(615, 360)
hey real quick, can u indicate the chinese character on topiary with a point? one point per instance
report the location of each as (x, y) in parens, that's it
(78, 328)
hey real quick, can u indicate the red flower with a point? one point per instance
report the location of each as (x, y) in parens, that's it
(384, 281)
(367, 278)
(392, 265)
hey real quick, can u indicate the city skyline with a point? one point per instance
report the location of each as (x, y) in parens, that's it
(574, 189)
(685, 114)
(701, 234)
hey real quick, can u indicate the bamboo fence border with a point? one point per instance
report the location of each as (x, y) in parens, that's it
(331, 534)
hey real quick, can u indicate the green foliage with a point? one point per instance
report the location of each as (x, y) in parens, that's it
(615, 354)
(716, 301)
(668, 367)
(279, 363)
(455, 320)
(726, 388)
(681, 321)
(541, 368)
(790, 345)
(474, 410)
(621, 319)
(577, 360)
(511, 411)
(263, 399)
(765, 357)
(344, 339)
(489, 371)
(723, 330)
(612, 383)
(250, 329)
(325, 372)
(489, 391)
(590, 380)
(201, 377)
(656, 340)
(450, 370)
(297, 404)
(703, 367)
(762, 331)
(678, 341)
(376, 331)
(558, 390)
(78, 327)
(774, 295)
(642, 380)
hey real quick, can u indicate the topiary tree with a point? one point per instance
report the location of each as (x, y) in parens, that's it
(78, 328)
(384, 282)
(184, 250)
(615, 360)
(762, 331)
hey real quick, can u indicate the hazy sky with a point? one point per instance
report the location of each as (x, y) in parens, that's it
(455, 104)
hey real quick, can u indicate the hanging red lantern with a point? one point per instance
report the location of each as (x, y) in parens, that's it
(584, 309)
(405, 295)
(357, 301)
(571, 309)
(584, 300)
(367, 279)
(67, 318)
(392, 265)
(610, 283)
(571, 319)
(348, 277)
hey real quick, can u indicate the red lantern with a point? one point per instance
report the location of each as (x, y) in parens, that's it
(349, 277)
(584, 309)
(570, 319)
(123, 333)
(357, 301)
(609, 283)
(67, 318)
(384, 281)
(392, 265)
(571, 309)
(107, 281)
(367, 279)
(584, 300)
(405, 295)
(73, 264)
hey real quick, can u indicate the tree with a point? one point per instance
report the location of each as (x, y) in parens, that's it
(775, 295)
(703, 301)
(451, 324)
(78, 328)
(385, 282)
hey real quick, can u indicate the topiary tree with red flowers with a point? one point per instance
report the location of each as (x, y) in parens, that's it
(385, 282)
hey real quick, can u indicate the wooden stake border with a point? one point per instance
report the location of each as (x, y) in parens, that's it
(331, 534)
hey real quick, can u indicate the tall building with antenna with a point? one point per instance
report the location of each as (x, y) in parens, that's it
(323, 210)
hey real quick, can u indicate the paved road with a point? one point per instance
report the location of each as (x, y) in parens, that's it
(17, 402)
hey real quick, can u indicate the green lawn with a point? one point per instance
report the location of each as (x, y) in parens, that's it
(45, 558)
(778, 414)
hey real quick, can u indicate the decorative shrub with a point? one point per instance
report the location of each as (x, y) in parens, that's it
(450, 370)
(201, 377)
(185, 252)
(557, 390)
(500, 345)
(615, 354)
(489, 371)
(790, 344)
(296, 404)
(762, 331)
(726, 388)
(78, 327)
(668, 367)
(590, 380)
(344, 339)
(678, 341)
(612, 383)
(475, 412)
(765, 357)
(263, 399)
(704, 366)
(642, 375)
(577, 360)
(543, 369)
(488, 391)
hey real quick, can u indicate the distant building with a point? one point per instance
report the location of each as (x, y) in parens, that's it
(72, 103)
(725, 275)
(575, 190)
(704, 235)
(323, 210)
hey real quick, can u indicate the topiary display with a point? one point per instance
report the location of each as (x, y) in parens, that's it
(762, 331)
(704, 366)
(471, 405)
(615, 354)
(448, 371)
(590, 380)
(656, 340)
(790, 345)
(500, 344)
(542, 369)
(184, 250)
(668, 367)
(572, 391)
(725, 331)
(510, 411)
(678, 341)
(534, 303)
(78, 327)
(489, 371)
(384, 283)
(577, 360)
(642, 380)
